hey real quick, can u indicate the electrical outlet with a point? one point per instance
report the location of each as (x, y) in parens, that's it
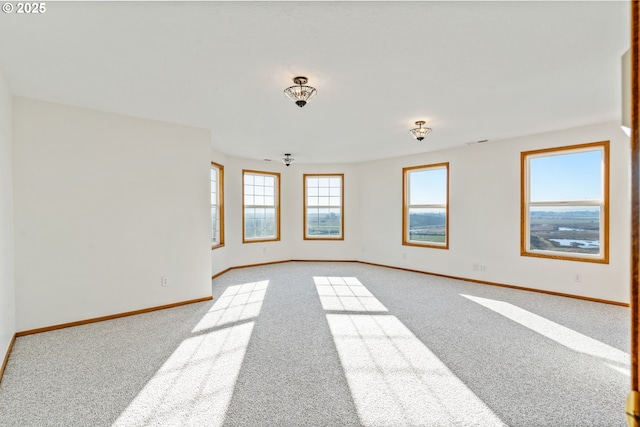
(165, 281)
(475, 266)
(577, 277)
(404, 255)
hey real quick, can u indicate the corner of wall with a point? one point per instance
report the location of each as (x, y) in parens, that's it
(7, 275)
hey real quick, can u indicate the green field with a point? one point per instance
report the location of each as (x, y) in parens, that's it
(434, 238)
(427, 227)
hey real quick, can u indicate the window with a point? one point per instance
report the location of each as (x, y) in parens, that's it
(425, 208)
(217, 205)
(261, 206)
(565, 202)
(323, 212)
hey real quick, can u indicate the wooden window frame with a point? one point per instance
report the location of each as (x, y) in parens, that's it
(276, 175)
(603, 258)
(406, 207)
(305, 206)
(220, 192)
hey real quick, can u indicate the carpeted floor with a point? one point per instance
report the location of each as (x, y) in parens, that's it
(332, 344)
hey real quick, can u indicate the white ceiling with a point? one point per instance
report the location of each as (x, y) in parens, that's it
(473, 70)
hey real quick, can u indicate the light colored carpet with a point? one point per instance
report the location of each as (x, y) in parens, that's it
(331, 344)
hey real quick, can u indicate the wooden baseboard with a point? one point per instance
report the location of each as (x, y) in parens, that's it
(110, 317)
(247, 266)
(502, 285)
(278, 262)
(6, 356)
(222, 272)
(483, 282)
(324, 260)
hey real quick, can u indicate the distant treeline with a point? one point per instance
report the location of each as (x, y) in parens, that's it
(426, 219)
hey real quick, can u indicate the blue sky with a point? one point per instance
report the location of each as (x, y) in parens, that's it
(554, 178)
(428, 186)
(563, 177)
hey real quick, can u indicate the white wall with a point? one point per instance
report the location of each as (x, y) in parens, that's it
(7, 283)
(105, 205)
(291, 244)
(485, 217)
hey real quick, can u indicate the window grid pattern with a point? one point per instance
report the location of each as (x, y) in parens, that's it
(571, 223)
(261, 206)
(324, 206)
(426, 206)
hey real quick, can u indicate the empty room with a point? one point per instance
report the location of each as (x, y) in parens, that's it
(317, 214)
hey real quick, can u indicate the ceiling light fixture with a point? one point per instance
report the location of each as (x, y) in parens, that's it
(419, 133)
(300, 94)
(287, 159)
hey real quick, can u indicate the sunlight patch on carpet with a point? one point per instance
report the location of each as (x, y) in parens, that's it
(237, 303)
(195, 385)
(558, 333)
(346, 294)
(394, 379)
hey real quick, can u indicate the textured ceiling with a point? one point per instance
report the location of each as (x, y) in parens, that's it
(472, 70)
